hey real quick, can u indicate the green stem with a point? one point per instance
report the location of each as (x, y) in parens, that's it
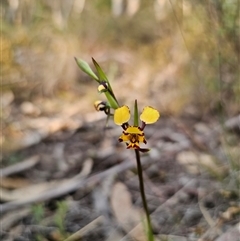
(141, 184)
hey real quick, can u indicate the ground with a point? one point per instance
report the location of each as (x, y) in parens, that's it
(85, 175)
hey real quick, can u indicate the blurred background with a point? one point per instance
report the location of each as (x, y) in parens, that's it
(62, 169)
(180, 56)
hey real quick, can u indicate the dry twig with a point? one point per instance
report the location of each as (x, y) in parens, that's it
(85, 230)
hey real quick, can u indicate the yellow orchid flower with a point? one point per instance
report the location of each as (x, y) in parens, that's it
(134, 135)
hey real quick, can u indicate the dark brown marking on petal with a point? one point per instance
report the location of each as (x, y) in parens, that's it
(125, 133)
(134, 138)
(125, 126)
(143, 126)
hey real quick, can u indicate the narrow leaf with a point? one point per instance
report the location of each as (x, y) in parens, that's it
(112, 102)
(135, 113)
(84, 66)
(103, 77)
(101, 74)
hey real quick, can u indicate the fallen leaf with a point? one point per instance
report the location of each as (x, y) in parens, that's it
(189, 160)
(9, 220)
(20, 166)
(194, 161)
(232, 234)
(40, 189)
(29, 108)
(231, 212)
(15, 182)
(210, 163)
(126, 214)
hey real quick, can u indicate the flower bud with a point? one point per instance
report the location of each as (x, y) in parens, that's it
(103, 87)
(100, 105)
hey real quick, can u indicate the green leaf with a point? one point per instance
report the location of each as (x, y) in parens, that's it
(111, 100)
(103, 77)
(84, 66)
(101, 74)
(135, 113)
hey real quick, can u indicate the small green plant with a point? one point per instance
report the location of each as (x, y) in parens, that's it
(133, 135)
(60, 216)
(14, 158)
(38, 212)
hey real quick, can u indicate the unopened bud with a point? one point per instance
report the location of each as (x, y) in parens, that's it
(100, 105)
(103, 87)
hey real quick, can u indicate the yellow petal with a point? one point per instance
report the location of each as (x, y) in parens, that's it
(124, 137)
(149, 115)
(142, 139)
(133, 145)
(121, 115)
(133, 130)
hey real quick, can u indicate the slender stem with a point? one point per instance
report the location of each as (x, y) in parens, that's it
(141, 184)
